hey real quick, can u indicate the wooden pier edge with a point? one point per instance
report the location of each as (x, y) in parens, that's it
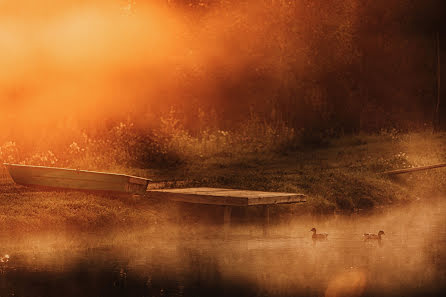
(229, 198)
(220, 196)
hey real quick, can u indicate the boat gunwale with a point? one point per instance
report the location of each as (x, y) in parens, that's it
(92, 191)
(75, 170)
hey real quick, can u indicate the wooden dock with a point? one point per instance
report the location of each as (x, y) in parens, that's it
(229, 198)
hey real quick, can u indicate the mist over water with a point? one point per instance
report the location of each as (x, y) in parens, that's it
(408, 261)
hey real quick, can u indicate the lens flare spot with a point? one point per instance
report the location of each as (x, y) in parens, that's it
(347, 284)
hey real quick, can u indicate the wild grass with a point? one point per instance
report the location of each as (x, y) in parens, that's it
(342, 174)
(169, 145)
(345, 175)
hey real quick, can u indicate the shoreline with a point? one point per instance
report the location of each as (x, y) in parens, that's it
(341, 178)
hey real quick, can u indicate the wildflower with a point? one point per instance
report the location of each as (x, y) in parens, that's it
(4, 258)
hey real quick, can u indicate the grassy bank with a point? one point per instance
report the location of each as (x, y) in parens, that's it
(339, 175)
(342, 175)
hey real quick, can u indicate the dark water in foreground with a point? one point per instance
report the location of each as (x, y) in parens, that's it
(410, 261)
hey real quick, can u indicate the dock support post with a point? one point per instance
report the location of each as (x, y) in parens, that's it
(265, 220)
(227, 219)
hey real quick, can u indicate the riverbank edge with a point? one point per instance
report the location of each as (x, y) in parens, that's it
(343, 177)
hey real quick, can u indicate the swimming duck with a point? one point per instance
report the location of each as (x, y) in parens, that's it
(374, 236)
(318, 236)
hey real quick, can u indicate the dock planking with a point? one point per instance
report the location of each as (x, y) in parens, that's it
(226, 197)
(229, 198)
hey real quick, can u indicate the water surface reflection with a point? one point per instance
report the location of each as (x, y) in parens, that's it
(409, 261)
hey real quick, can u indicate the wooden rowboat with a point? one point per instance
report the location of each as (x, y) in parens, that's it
(73, 179)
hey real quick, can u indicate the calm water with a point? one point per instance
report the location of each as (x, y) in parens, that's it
(409, 261)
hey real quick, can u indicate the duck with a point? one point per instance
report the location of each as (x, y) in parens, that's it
(374, 236)
(318, 236)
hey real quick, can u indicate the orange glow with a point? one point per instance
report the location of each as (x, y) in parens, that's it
(68, 62)
(350, 283)
(75, 66)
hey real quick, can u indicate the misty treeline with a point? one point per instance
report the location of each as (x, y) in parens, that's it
(323, 66)
(157, 80)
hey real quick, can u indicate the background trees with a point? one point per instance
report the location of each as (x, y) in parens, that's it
(342, 65)
(318, 68)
